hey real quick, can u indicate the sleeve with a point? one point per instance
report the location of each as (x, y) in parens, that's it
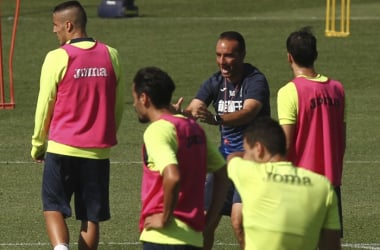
(53, 70)
(332, 216)
(215, 159)
(232, 169)
(120, 90)
(257, 88)
(207, 91)
(161, 145)
(242, 173)
(287, 104)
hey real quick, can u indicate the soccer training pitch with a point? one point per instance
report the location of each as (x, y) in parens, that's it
(179, 36)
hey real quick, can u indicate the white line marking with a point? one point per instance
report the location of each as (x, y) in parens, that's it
(373, 246)
(360, 162)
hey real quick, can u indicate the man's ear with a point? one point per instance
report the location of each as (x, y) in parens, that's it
(69, 26)
(290, 58)
(144, 99)
(260, 149)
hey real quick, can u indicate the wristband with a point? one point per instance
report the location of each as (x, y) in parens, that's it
(218, 119)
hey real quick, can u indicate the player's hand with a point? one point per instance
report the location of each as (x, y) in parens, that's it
(39, 159)
(38, 156)
(154, 221)
(204, 115)
(176, 109)
(177, 106)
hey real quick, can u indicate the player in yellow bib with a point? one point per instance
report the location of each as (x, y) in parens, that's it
(285, 207)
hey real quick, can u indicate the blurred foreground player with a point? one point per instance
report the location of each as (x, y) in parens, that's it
(284, 207)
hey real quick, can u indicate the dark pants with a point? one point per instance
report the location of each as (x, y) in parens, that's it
(337, 191)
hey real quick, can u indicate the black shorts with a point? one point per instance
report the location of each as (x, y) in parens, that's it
(232, 196)
(87, 179)
(338, 194)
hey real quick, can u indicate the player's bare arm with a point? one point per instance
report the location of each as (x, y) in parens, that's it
(289, 130)
(249, 111)
(251, 108)
(213, 214)
(194, 108)
(171, 179)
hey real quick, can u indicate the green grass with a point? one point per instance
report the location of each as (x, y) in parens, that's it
(179, 36)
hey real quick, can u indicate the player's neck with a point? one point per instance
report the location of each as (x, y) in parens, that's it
(235, 81)
(275, 158)
(155, 114)
(302, 71)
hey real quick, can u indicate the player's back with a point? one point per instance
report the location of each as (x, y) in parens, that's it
(284, 207)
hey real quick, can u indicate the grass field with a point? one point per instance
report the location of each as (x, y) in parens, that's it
(179, 36)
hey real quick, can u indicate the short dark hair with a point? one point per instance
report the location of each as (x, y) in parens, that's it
(302, 45)
(235, 36)
(155, 83)
(81, 15)
(268, 132)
